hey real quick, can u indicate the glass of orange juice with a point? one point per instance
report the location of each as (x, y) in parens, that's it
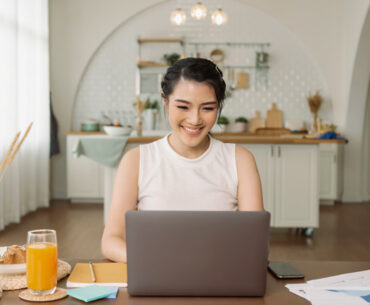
(42, 261)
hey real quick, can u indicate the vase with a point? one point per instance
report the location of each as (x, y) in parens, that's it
(240, 127)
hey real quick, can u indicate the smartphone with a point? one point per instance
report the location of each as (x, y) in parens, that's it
(284, 270)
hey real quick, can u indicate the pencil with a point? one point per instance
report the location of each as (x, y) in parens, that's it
(92, 272)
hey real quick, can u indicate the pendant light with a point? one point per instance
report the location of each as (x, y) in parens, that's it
(219, 17)
(178, 17)
(198, 11)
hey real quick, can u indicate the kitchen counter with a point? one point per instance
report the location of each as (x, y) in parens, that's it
(232, 137)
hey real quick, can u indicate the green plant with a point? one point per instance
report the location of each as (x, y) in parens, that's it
(241, 119)
(171, 58)
(222, 120)
(151, 105)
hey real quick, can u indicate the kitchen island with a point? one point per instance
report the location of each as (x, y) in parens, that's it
(288, 167)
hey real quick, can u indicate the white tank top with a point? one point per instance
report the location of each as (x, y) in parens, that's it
(169, 181)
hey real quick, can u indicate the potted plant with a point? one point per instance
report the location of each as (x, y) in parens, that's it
(241, 124)
(150, 114)
(171, 58)
(221, 124)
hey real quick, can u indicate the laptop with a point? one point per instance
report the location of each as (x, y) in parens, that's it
(197, 253)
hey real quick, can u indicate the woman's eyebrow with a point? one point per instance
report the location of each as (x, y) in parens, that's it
(205, 103)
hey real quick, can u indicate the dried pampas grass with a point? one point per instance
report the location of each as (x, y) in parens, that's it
(314, 102)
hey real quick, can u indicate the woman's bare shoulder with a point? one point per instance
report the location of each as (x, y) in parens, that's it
(242, 154)
(131, 160)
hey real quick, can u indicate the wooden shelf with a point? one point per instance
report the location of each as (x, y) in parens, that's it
(160, 40)
(151, 64)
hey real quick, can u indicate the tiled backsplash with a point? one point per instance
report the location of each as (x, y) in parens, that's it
(108, 83)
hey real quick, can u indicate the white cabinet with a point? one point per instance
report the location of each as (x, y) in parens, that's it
(331, 177)
(85, 178)
(289, 178)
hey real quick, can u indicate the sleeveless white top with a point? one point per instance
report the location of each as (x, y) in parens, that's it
(169, 181)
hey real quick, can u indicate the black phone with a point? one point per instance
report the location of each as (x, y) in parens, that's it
(284, 270)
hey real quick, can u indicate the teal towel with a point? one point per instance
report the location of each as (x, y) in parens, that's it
(90, 293)
(106, 150)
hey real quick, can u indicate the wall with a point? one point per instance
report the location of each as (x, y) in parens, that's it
(108, 83)
(356, 155)
(77, 28)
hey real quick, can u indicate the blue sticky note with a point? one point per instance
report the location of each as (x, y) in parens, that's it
(351, 292)
(366, 298)
(114, 292)
(90, 293)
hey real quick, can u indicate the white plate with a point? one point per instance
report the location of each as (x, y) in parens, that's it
(12, 268)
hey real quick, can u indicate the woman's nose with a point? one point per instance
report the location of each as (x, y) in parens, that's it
(194, 118)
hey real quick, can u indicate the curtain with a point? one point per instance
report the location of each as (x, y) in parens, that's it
(24, 97)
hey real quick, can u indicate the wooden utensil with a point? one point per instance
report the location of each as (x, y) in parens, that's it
(2, 165)
(242, 80)
(256, 122)
(10, 160)
(274, 117)
(272, 131)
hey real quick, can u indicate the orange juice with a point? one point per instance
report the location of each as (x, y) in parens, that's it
(42, 266)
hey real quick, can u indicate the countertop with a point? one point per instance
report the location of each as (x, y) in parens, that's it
(232, 137)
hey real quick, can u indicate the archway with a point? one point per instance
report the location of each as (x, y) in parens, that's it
(357, 153)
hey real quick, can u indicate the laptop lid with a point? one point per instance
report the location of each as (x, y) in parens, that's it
(197, 253)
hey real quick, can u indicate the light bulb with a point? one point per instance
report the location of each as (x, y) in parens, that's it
(198, 11)
(178, 17)
(219, 17)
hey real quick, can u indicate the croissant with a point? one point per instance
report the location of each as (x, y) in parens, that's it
(14, 255)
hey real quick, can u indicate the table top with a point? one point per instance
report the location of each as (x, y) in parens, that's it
(276, 293)
(228, 137)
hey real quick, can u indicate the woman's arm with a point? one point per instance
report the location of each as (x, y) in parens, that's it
(249, 183)
(124, 198)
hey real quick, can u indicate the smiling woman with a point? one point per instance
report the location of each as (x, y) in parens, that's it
(188, 169)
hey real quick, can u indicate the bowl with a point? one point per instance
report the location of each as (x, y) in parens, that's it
(118, 130)
(12, 268)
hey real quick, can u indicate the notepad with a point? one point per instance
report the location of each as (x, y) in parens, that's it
(106, 274)
(90, 293)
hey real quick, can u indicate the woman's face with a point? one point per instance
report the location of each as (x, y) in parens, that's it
(192, 111)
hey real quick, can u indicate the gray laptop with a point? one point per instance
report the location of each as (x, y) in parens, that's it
(197, 253)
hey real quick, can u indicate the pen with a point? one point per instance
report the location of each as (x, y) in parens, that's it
(92, 272)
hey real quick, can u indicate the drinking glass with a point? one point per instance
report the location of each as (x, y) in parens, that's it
(42, 261)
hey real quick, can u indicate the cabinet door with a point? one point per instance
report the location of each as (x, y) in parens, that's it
(263, 154)
(296, 188)
(84, 176)
(328, 175)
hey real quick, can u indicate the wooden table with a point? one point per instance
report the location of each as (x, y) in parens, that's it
(276, 293)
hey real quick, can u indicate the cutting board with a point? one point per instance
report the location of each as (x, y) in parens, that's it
(242, 80)
(274, 117)
(256, 122)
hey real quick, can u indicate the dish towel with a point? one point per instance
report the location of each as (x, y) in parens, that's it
(106, 150)
(332, 135)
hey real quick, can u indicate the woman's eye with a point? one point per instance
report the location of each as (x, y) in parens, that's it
(209, 108)
(182, 107)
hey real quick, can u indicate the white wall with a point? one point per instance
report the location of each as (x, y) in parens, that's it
(327, 30)
(108, 82)
(356, 154)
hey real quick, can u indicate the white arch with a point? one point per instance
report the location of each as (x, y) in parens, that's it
(357, 154)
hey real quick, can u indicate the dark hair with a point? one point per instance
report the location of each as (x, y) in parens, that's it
(195, 69)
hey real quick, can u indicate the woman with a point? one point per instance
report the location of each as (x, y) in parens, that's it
(187, 169)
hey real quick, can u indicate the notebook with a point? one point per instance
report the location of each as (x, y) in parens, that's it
(106, 274)
(197, 253)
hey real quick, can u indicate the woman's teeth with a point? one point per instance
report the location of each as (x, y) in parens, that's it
(190, 129)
